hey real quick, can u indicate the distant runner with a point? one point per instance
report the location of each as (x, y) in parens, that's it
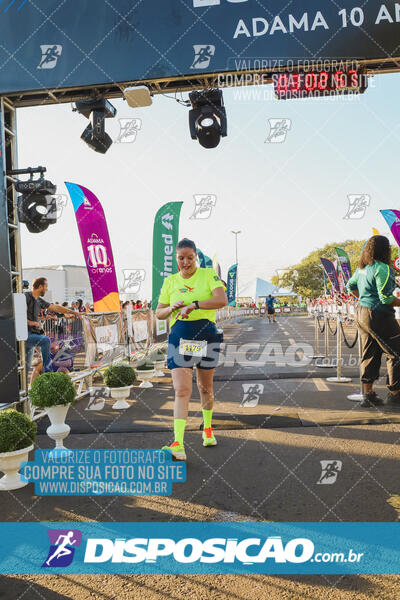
(269, 305)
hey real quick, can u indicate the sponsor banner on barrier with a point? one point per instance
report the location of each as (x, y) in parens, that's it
(140, 331)
(161, 327)
(203, 547)
(104, 338)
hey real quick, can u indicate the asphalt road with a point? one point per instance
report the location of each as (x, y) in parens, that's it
(266, 467)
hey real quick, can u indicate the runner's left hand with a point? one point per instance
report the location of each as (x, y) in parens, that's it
(185, 312)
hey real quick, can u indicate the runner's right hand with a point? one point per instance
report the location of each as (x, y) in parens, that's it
(177, 305)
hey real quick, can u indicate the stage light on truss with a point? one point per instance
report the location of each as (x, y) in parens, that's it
(97, 111)
(37, 207)
(207, 118)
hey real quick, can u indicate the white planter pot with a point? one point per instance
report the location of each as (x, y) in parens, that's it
(58, 430)
(10, 463)
(120, 394)
(159, 364)
(145, 377)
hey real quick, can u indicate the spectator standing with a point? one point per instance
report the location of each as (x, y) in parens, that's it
(373, 284)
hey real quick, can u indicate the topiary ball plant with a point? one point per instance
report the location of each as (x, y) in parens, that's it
(17, 431)
(119, 375)
(144, 365)
(52, 389)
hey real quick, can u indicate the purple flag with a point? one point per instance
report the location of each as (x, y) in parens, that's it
(331, 272)
(392, 218)
(96, 247)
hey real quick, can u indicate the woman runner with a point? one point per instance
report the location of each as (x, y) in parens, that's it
(373, 284)
(191, 298)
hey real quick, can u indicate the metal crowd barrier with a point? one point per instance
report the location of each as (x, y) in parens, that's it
(342, 313)
(136, 342)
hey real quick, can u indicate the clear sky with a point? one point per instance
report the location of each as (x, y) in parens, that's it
(287, 198)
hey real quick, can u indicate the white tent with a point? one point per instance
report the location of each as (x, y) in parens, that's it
(260, 288)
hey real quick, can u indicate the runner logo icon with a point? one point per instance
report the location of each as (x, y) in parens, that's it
(62, 547)
(330, 470)
(251, 394)
(202, 56)
(278, 129)
(132, 280)
(204, 204)
(128, 130)
(358, 204)
(50, 55)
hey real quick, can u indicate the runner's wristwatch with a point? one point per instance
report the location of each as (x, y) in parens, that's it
(196, 303)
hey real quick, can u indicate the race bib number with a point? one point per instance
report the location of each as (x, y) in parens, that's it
(193, 347)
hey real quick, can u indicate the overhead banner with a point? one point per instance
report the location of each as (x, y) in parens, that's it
(375, 231)
(344, 263)
(231, 285)
(392, 218)
(55, 47)
(331, 273)
(96, 247)
(165, 238)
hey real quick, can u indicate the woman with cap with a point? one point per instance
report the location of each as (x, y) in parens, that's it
(191, 297)
(373, 284)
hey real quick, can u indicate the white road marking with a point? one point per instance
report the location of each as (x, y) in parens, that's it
(321, 385)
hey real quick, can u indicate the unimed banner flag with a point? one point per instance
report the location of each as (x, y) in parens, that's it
(331, 272)
(165, 238)
(231, 285)
(96, 248)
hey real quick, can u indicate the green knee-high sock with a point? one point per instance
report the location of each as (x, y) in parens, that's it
(207, 417)
(179, 429)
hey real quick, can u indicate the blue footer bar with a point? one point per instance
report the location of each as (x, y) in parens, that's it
(207, 547)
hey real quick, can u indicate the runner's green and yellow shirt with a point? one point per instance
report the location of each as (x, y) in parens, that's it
(198, 287)
(375, 284)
